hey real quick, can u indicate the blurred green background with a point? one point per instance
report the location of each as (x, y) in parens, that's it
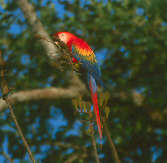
(130, 40)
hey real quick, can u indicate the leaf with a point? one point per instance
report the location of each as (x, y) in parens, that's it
(75, 103)
(107, 111)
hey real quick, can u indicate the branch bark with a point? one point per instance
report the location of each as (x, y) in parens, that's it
(38, 28)
(94, 144)
(46, 93)
(7, 157)
(111, 144)
(5, 92)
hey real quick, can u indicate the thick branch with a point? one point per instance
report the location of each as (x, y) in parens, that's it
(46, 93)
(37, 27)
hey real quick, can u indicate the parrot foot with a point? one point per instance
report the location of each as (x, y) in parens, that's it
(81, 105)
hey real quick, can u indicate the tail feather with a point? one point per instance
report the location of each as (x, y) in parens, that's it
(93, 88)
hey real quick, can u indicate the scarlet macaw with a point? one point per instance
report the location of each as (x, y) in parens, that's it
(82, 53)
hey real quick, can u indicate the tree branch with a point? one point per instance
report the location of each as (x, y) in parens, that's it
(94, 144)
(38, 28)
(5, 92)
(111, 144)
(46, 93)
(7, 157)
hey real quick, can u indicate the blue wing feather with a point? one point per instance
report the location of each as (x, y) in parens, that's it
(92, 68)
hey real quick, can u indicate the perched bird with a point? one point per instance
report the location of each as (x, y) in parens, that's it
(84, 55)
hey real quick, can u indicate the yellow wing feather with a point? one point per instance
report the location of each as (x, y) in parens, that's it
(87, 54)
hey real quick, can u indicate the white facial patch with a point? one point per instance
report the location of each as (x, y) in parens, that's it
(63, 37)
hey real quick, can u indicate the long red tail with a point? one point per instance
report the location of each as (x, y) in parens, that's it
(93, 88)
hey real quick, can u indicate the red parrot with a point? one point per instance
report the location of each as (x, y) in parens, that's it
(82, 53)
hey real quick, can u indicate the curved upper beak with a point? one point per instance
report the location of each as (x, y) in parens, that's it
(55, 38)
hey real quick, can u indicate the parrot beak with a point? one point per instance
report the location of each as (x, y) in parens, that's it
(55, 38)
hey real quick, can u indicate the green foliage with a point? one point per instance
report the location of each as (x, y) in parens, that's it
(132, 35)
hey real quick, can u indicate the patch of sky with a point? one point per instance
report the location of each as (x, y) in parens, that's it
(27, 114)
(70, 14)
(146, 17)
(27, 157)
(7, 128)
(29, 136)
(22, 73)
(127, 74)
(44, 148)
(2, 158)
(84, 2)
(79, 32)
(158, 131)
(44, 3)
(16, 160)
(112, 12)
(139, 11)
(1, 8)
(45, 136)
(50, 79)
(3, 4)
(136, 41)
(4, 148)
(111, 82)
(55, 111)
(39, 157)
(122, 49)
(56, 147)
(4, 115)
(75, 130)
(99, 141)
(159, 138)
(17, 28)
(7, 53)
(35, 125)
(127, 159)
(114, 27)
(101, 155)
(39, 138)
(164, 23)
(25, 59)
(140, 90)
(157, 152)
(101, 55)
(55, 123)
(139, 151)
(68, 151)
(59, 8)
(126, 54)
(5, 144)
(116, 120)
(38, 13)
(15, 147)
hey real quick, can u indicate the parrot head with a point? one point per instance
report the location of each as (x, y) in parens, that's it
(65, 37)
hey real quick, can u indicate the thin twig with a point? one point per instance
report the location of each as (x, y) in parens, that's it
(5, 92)
(93, 142)
(115, 153)
(7, 157)
(20, 131)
